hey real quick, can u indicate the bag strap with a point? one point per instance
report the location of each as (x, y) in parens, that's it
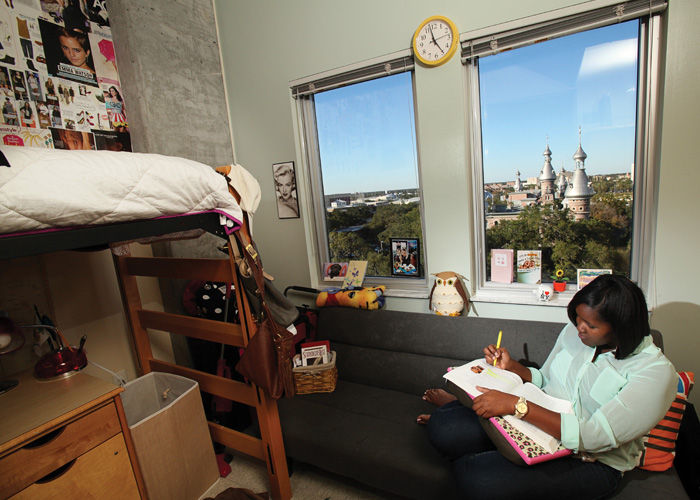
(281, 336)
(252, 258)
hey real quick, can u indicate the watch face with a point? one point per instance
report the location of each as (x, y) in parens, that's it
(521, 409)
(434, 42)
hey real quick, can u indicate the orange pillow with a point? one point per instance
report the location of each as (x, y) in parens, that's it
(660, 443)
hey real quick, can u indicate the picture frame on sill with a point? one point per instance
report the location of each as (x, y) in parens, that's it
(405, 257)
(286, 190)
(335, 271)
(585, 276)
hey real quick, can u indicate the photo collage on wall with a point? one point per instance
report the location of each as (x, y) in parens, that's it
(59, 84)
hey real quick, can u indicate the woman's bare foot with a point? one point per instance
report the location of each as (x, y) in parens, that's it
(422, 419)
(438, 397)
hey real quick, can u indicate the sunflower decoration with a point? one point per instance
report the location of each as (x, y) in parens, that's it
(559, 276)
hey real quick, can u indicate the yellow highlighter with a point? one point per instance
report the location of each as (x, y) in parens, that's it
(498, 344)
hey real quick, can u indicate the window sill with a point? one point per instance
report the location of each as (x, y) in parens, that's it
(416, 291)
(518, 293)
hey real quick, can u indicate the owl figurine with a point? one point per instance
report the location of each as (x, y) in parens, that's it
(448, 296)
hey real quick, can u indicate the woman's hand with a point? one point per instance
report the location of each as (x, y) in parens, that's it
(501, 355)
(505, 362)
(494, 403)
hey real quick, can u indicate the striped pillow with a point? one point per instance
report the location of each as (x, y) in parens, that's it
(660, 443)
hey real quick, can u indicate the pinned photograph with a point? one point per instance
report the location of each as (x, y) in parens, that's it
(68, 53)
(286, 190)
(335, 271)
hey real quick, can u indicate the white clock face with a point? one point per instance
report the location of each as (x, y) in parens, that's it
(434, 40)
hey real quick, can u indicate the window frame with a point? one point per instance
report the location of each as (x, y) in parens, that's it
(311, 176)
(547, 26)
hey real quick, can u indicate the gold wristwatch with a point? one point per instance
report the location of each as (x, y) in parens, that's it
(521, 408)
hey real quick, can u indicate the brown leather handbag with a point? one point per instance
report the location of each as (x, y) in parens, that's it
(265, 361)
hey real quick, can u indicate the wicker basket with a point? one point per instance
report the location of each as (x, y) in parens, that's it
(316, 378)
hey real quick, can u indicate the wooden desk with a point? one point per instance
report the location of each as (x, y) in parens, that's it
(66, 438)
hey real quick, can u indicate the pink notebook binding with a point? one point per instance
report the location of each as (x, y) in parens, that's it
(530, 452)
(510, 442)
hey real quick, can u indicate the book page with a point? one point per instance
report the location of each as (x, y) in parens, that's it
(533, 393)
(479, 373)
(466, 378)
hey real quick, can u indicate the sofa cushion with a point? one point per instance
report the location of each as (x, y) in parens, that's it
(638, 484)
(367, 434)
(410, 352)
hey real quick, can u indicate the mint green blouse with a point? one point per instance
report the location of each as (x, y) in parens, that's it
(616, 402)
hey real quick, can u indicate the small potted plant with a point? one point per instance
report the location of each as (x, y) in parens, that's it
(560, 280)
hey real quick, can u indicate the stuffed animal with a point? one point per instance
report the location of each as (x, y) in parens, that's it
(361, 298)
(448, 296)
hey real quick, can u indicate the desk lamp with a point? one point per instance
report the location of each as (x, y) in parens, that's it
(11, 339)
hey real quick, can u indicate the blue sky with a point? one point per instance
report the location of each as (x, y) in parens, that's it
(366, 132)
(366, 136)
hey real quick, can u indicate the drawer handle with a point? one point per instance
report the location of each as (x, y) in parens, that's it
(57, 473)
(45, 439)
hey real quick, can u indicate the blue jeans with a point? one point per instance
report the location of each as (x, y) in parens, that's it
(482, 472)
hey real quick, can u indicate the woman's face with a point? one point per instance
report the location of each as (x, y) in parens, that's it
(284, 184)
(113, 92)
(74, 52)
(592, 330)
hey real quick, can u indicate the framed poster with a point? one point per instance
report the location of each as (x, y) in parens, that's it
(585, 276)
(286, 190)
(405, 257)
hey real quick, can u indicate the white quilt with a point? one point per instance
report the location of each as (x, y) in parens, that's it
(46, 188)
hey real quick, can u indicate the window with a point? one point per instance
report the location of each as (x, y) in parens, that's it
(359, 131)
(562, 123)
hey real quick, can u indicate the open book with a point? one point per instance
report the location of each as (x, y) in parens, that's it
(479, 373)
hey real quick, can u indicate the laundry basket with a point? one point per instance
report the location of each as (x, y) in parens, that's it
(171, 437)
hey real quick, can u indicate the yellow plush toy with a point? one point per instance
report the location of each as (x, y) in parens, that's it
(360, 298)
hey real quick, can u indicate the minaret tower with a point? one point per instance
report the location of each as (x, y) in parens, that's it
(562, 183)
(518, 183)
(547, 177)
(579, 193)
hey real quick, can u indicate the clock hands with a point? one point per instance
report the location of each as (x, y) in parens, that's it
(434, 40)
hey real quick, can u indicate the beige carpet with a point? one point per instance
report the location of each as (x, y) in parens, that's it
(307, 482)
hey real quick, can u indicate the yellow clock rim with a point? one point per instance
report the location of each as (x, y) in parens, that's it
(449, 54)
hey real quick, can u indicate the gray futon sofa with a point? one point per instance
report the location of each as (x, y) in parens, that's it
(366, 429)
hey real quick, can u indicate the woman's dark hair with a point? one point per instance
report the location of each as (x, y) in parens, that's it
(620, 303)
(119, 96)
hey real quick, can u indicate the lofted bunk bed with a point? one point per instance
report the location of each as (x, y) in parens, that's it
(160, 198)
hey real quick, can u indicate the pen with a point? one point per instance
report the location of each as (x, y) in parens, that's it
(498, 344)
(82, 343)
(64, 342)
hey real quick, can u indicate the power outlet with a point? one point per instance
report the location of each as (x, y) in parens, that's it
(120, 378)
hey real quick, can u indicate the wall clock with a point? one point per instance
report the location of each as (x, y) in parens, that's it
(435, 41)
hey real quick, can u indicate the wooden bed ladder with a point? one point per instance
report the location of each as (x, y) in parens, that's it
(270, 447)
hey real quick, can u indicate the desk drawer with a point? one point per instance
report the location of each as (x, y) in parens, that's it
(56, 448)
(104, 472)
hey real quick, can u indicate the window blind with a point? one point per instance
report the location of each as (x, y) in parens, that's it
(554, 24)
(350, 76)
